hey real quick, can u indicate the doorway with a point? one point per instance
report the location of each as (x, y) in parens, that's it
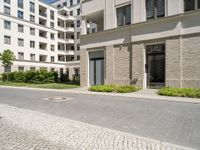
(155, 66)
(96, 68)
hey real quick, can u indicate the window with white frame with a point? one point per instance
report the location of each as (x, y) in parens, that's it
(32, 18)
(20, 42)
(7, 1)
(6, 10)
(32, 57)
(32, 7)
(7, 39)
(52, 59)
(20, 56)
(7, 25)
(20, 14)
(20, 3)
(32, 31)
(20, 28)
(123, 15)
(32, 44)
(155, 9)
(21, 68)
(52, 48)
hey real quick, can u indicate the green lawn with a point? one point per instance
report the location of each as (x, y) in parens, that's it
(46, 86)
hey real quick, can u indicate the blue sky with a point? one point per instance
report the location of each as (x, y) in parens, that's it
(48, 1)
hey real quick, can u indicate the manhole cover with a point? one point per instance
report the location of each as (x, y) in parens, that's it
(57, 99)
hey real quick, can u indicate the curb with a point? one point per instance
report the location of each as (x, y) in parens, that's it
(134, 95)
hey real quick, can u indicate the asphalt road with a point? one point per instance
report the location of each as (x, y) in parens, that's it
(173, 122)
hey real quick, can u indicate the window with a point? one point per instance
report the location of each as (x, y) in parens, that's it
(52, 14)
(52, 69)
(32, 31)
(7, 40)
(124, 15)
(155, 9)
(20, 68)
(7, 68)
(52, 59)
(78, 35)
(32, 18)
(32, 7)
(78, 1)
(191, 5)
(78, 47)
(32, 44)
(52, 25)
(20, 28)
(65, 4)
(20, 4)
(71, 13)
(52, 47)
(6, 10)
(32, 68)
(20, 14)
(32, 56)
(7, 25)
(78, 11)
(78, 23)
(20, 42)
(78, 57)
(21, 56)
(7, 1)
(52, 36)
(71, 2)
(58, 6)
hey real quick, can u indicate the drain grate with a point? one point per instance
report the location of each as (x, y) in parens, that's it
(58, 99)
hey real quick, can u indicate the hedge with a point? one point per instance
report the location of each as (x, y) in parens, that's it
(31, 77)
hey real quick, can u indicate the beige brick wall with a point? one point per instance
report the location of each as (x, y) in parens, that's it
(84, 67)
(122, 64)
(191, 60)
(173, 62)
(138, 64)
(109, 65)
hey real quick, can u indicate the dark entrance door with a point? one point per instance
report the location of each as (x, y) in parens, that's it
(155, 66)
(96, 68)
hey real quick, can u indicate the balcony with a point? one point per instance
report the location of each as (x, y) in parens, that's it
(42, 11)
(42, 22)
(69, 41)
(42, 46)
(43, 34)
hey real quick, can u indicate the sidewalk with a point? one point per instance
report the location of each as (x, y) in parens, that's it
(150, 94)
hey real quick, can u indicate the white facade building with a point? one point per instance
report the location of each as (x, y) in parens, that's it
(40, 35)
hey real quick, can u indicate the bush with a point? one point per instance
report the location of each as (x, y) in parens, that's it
(114, 88)
(31, 77)
(180, 92)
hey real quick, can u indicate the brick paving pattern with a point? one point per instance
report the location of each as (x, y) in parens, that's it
(30, 130)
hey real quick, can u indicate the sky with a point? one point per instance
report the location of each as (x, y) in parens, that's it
(48, 1)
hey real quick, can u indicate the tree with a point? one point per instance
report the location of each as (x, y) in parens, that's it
(7, 58)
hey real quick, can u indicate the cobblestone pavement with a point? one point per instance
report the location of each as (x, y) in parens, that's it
(31, 130)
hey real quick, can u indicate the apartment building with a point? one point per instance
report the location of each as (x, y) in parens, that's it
(74, 10)
(40, 35)
(147, 43)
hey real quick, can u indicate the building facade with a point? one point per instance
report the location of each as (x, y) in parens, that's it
(147, 43)
(40, 35)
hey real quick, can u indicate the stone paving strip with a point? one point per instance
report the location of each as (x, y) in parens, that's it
(22, 129)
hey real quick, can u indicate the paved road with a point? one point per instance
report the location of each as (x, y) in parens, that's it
(172, 122)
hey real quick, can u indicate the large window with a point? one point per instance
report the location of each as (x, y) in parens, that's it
(191, 5)
(32, 31)
(20, 14)
(20, 42)
(124, 15)
(32, 18)
(6, 10)
(21, 56)
(20, 28)
(155, 9)
(7, 1)
(32, 7)
(7, 25)
(52, 14)
(20, 3)
(7, 39)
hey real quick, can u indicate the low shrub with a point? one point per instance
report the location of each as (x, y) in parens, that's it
(30, 77)
(180, 92)
(114, 88)
(126, 89)
(102, 88)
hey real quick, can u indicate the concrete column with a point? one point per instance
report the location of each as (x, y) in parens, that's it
(84, 26)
